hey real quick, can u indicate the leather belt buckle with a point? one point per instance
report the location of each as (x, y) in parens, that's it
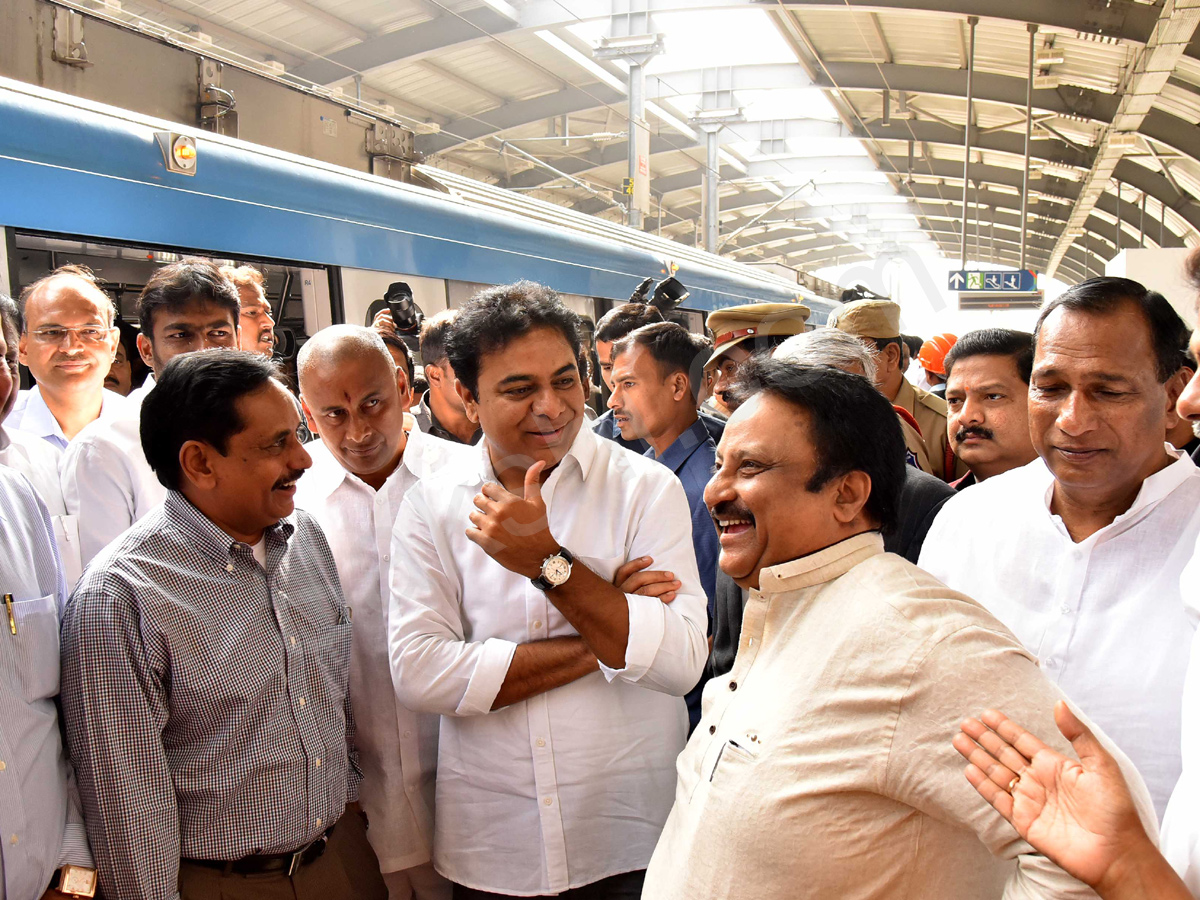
(297, 861)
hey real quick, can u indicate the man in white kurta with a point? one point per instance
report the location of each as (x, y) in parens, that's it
(363, 465)
(1080, 552)
(558, 773)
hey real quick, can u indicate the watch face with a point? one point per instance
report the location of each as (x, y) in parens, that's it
(78, 881)
(556, 570)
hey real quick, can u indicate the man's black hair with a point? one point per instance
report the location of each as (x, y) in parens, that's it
(913, 343)
(182, 284)
(397, 343)
(673, 348)
(995, 342)
(492, 319)
(852, 426)
(435, 332)
(195, 399)
(624, 319)
(1106, 295)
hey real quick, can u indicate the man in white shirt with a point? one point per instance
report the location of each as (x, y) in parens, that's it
(68, 342)
(36, 459)
(354, 398)
(107, 484)
(1080, 552)
(560, 696)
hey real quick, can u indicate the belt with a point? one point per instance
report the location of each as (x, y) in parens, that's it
(286, 864)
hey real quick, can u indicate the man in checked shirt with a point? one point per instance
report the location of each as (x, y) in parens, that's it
(206, 656)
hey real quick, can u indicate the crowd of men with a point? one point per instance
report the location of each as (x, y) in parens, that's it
(730, 639)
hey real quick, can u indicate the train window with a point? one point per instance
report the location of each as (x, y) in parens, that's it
(299, 295)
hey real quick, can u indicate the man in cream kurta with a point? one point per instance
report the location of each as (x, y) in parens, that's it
(822, 765)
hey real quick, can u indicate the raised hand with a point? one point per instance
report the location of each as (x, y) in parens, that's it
(636, 577)
(514, 530)
(1080, 814)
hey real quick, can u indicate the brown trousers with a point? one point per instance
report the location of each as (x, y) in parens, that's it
(347, 870)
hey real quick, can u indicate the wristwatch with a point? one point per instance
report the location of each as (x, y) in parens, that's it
(77, 881)
(556, 569)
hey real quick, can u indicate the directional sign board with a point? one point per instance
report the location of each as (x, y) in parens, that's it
(1003, 280)
(999, 300)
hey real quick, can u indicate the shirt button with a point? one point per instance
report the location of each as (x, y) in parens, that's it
(317, 762)
(14, 839)
(541, 742)
(408, 734)
(293, 640)
(302, 701)
(228, 567)
(2, 765)
(712, 729)
(537, 624)
(318, 823)
(1051, 662)
(386, 558)
(733, 685)
(548, 801)
(1066, 610)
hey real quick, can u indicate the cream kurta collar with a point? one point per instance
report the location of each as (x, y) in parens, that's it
(822, 566)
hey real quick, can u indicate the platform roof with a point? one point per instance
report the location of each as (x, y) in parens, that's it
(855, 112)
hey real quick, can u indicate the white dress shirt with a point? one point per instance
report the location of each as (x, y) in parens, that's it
(41, 826)
(107, 483)
(572, 785)
(40, 462)
(397, 747)
(31, 415)
(1104, 616)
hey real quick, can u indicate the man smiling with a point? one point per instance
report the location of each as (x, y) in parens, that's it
(206, 658)
(1080, 552)
(560, 695)
(819, 768)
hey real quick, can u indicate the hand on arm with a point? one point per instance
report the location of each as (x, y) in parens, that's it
(515, 531)
(1079, 814)
(636, 577)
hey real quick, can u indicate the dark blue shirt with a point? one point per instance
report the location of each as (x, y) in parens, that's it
(692, 457)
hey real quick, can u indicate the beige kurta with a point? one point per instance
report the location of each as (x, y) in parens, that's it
(822, 767)
(930, 412)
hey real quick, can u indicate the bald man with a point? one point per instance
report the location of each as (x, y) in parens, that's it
(68, 343)
(354, 399)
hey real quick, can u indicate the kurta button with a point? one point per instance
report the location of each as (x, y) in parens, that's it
(547, 801)
(537, 623)
(733, 685)
(541, 742)
(712, 729)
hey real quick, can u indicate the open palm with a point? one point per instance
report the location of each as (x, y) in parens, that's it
(1080, 814)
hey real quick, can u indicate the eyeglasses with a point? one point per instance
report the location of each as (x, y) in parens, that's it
(89, 334)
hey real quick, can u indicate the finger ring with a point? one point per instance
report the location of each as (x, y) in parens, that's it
(1012, 784)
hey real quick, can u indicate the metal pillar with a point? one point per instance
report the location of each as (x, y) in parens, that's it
(639, 145)
(972, 21)
(711, 200)
(1142, 224)
(1028, 139)
(1118, 218)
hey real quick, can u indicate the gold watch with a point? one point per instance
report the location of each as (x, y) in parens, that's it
(78, 881)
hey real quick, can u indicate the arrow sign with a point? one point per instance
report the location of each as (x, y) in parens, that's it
(1015, 280)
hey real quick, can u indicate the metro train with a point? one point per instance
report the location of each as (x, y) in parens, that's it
(92, 184)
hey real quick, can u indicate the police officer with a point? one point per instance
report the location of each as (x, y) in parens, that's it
(878, 322)
(739, 332)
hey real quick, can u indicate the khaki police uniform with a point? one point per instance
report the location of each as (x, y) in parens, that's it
(880, 320)
(914, 446)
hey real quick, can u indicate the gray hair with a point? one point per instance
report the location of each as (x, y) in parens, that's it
(829, 347)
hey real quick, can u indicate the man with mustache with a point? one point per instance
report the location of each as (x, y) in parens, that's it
(68, 341)
(987, 398)
(206, 659)
(1080, 552)
(256, 325)
(107, 484)
(821, 767)
(560, 695)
